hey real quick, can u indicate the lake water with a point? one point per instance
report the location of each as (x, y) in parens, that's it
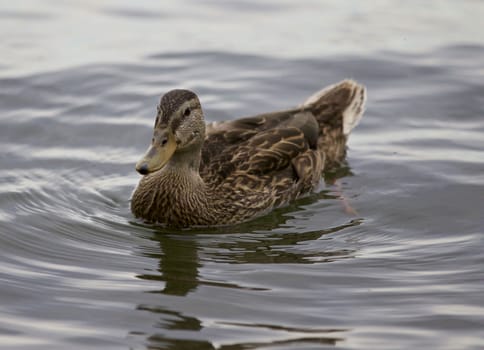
(79, 84)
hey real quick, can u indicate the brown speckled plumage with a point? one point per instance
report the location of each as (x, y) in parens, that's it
(230, 172)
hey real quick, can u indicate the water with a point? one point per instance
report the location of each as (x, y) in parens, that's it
(79, 85)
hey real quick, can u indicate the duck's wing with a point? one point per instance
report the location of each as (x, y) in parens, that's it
(324, 121)
(271, 144)
(229, 134)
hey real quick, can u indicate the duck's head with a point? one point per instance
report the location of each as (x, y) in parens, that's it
(179, 128)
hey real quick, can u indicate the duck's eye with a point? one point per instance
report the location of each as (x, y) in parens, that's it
(187, 112)
(164, 142)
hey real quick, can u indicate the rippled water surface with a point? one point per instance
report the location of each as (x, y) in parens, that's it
(79, 85)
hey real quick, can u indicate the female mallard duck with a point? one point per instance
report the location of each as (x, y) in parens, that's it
(233, 171)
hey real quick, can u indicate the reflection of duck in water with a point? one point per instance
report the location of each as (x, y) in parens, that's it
(230, 172)
(182, 258)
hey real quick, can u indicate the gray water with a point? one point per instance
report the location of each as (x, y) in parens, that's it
(79, 83)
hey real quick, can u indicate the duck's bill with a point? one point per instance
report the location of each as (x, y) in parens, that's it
(157, 155)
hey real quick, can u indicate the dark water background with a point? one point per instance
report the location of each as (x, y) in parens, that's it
(79, 84)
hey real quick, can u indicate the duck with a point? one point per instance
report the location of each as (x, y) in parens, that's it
(225, 173)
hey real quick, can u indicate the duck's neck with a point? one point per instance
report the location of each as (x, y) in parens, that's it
(186, 161)
(181, 177)
(182, 183)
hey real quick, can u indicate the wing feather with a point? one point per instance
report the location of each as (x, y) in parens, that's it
(260, 145)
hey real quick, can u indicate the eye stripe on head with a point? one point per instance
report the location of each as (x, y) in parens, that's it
(172, 101)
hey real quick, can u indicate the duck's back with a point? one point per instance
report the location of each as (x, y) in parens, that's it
(270, 143)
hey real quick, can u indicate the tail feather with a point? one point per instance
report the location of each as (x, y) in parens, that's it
(341, 104)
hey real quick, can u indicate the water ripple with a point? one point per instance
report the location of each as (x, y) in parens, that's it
(388, 252)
